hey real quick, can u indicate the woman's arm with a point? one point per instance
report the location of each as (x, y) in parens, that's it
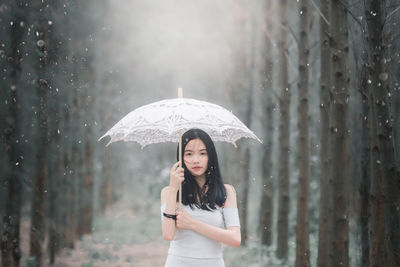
(230, 236)
(168, 196)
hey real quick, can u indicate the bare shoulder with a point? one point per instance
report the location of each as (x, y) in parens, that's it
(230, 189)
(230, 201)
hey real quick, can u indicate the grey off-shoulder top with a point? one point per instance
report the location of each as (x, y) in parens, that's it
(188, 243)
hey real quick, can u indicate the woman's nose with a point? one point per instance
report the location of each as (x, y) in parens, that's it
(196, 158)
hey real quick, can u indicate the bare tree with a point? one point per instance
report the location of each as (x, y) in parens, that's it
(267, 194)
(302, 245)
(325, 69)
(339, 134)
(43, 42)
(10, 241)
(378, 246)
(365, 183)
(380, 89)
(241, 97)
(284, 102)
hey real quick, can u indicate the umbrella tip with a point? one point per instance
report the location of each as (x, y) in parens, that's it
(109, 143)
(180, 93)
(101, 138)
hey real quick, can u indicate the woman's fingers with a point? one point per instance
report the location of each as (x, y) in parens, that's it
(177, 169)
(177, 175)
(183, 219)
(175, 166)
(178, 217)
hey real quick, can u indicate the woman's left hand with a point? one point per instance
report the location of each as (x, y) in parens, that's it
(184, 220)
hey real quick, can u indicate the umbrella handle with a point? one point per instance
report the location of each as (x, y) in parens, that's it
(180, 165)
(180, 95)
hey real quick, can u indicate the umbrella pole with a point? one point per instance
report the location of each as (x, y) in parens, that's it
(180, 165)
(180, 95)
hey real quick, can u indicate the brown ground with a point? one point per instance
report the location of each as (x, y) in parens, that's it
(90, 252)
(146, 255)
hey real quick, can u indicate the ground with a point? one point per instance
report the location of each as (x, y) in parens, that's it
(149, 254)
(121, 237)
(130, 235)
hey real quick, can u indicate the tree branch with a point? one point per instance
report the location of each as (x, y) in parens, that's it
(391, 13)
(320, 13)
(351, 14)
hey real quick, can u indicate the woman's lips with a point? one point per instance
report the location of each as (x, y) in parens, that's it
(196, 168)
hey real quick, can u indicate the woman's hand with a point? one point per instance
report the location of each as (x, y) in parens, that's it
(176, 176)
(184, 220)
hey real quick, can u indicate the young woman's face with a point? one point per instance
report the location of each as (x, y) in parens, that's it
(195, 157)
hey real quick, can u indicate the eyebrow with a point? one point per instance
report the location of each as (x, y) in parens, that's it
(188, 150)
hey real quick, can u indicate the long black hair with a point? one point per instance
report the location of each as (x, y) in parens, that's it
(192, 194)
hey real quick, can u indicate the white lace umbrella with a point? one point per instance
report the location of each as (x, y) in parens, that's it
(164, 121)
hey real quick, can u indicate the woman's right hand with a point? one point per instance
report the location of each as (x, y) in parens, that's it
(176, 176)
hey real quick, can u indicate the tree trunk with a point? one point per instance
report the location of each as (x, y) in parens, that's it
(10, 249)
(339, 134)
(52, 215)
(55, 176)
(245, 192)
(267, 194)
(80, 181)
(61, 214)
(56, 102)
(107, 185)
(239, 97)
(302, 246)
(378, 244)
(38, 198)
(249, 81)
(62, 220)
(88, 207)
(379, 77)
(365, 182)
(38, 192)
(71, 220)
(325, 102)
(68, 164)
(87, 78)
(247, 121)
(80, 192)
(284, 103)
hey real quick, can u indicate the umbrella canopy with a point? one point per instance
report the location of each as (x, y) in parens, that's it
(163, 121)
(166, 120)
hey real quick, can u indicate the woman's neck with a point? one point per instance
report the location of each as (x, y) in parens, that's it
(201, 180)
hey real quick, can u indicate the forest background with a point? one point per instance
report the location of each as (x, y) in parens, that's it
(318, 81)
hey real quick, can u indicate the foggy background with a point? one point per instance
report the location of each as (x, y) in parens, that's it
(71, 69)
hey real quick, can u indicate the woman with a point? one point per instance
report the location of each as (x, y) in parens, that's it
(209, 215)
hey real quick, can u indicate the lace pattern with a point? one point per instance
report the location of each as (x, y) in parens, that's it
(163, 120)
